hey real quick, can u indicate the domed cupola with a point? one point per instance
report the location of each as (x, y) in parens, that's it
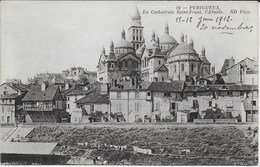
(123, 46)
(184, 51)
(167, 41)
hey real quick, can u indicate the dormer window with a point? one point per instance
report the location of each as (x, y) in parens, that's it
(182, 67)
(167, 94)
(230, 93)
(112, 65)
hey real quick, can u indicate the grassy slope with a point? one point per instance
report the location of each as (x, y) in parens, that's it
(217, 145)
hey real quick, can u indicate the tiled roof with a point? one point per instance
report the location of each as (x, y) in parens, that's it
(18, 87)
(224, 87)
(126, 85)
(161, 68)
(10, 96)
(173, 86)
(35, 93)
(191, 88)
(80, 89)
(94, 97)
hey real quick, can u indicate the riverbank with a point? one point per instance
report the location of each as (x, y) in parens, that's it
(204, 144)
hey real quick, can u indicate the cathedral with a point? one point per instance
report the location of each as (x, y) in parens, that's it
(158, 59)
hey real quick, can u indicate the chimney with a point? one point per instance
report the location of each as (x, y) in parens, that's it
(44, 86)
(67, 86)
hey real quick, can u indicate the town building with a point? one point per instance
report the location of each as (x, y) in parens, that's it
(166, 97)
(45, 104)
(14, 81)
(228, 98)
(243, 72)
(11, 105)
(78, 73)
(131, 102)
(11, 108)
(94, 106)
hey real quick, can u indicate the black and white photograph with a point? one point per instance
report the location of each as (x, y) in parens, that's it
(132, 83)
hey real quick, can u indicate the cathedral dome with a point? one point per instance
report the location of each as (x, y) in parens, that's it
(167, 39)
(123, 44)
(182, 49)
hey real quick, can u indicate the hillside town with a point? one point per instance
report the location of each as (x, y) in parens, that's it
(138, 81)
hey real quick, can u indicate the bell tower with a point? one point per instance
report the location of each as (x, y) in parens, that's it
(136, 30)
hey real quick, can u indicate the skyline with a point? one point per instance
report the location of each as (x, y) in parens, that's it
(54, 36)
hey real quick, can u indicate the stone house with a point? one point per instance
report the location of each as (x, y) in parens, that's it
(131, 102)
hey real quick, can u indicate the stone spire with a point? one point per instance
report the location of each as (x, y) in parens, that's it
(191, 43)
(166, 28)
(203, 51)
(153, 36)
(111, 56)
(123, 33)
(182, 38)
(111, 47)
(136, 18)
(157, 41)
(103, 50)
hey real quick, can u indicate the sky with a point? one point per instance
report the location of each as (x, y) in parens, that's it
(51, 36)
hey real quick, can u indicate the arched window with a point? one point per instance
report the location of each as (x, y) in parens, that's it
(130, 63)
(175, 68)
(162, 78)
(182, 67)
(192, 67)
(159, 62)
(126, 63)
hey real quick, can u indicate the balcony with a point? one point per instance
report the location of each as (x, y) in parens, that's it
(39, 108)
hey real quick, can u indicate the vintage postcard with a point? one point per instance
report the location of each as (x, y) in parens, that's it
(129, 83)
